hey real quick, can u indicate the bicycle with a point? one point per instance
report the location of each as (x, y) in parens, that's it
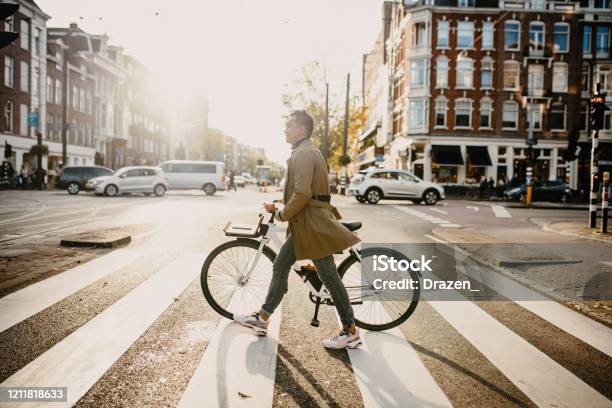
(236, 274)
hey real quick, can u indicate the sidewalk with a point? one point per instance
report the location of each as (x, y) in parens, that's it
(545, 268)
(547, 205)
(576, 228)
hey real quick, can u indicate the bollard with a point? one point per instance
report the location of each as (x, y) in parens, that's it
(529, 186)
(605, 196)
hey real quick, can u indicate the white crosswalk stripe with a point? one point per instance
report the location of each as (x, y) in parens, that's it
(20, 305)
(428, 217)
(500, 211)
(80, 359)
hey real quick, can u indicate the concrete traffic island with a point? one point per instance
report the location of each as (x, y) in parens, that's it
(98, 239)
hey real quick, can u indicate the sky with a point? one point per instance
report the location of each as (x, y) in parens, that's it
(241, 54)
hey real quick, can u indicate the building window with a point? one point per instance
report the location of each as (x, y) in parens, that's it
(441, 108)
(583, 116)
(442, 72)
(9, 71)
(82, 100)
(487, 35)
(417, 113)
(58, 91)
(443, 29)
(602, 42)
(537, 4)
(419, 35)
(603, 4)
(88, 105)
(36, 42)
(465, 34)
(562, 37)
(466, 3)
(24, 34)
(9, 24)
(49, 89)
(535, 80)
(512, 35)
(536, 38)
(486, 106)
(557, 117)
(511, 75)
(534, 116)
(463, 113)
(465, 73)
(8, 117)
(586, 39)
(23, 119)
(486, 73)
(510, 115)
(24, 75)
(604, 77)
(559, 83)
(584, 78)
(417, 73)
(75, 98)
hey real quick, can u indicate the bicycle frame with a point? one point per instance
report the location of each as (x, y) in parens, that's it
(270, 233)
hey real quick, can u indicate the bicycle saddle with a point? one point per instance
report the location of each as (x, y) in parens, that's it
(352, 226)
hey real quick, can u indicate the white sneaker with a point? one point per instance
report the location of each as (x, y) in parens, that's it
(254, 321)
(343, 340)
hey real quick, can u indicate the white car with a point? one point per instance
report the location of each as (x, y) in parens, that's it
(239, 181)
(207, 176)
(133, 179)
(372, 185)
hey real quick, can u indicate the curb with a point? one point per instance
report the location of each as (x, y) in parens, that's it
(519, 262)
(546, 228)
(94, 242)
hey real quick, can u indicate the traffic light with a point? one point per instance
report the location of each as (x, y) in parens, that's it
(8, 150)
(7, 10)
(598, 111)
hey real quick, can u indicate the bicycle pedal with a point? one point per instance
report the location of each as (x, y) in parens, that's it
(315, 323)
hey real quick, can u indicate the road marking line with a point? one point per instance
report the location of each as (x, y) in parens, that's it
(583, 328)
(235, 361)
(12, 220)
(439, 211)
(380, 370)
(471, 207)
(500, 211)
(450, 225)
(81, 358)
(539, 377)
(24, 303)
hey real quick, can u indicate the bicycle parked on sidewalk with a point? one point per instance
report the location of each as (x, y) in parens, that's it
(235, 278)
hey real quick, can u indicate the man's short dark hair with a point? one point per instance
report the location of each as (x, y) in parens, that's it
(304, 119)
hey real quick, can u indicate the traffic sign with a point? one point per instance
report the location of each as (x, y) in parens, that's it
(32, 119)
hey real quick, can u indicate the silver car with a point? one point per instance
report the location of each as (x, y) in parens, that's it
(134, 179)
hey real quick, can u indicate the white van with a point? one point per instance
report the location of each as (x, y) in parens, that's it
(192, 174)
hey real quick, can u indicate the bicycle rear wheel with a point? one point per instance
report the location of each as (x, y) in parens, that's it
(377, 309)
(227, 286)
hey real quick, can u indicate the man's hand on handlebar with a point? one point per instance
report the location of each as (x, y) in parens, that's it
(270, 207)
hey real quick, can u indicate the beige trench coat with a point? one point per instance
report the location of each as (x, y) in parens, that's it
(313, 224)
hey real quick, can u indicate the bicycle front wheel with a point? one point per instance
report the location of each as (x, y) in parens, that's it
(235, 277)
(377, 309)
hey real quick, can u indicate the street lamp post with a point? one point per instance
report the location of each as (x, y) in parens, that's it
(529, 171)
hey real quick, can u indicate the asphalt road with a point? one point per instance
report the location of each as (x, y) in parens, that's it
(137, 336)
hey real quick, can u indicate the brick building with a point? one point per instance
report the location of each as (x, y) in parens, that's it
(70, 87)
(21, 92)
(471, 79)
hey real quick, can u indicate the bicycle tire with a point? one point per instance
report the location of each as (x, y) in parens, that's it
(348, 262)
(250, 243)
(471, 195)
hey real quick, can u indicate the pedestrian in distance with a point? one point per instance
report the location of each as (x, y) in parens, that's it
(314, 233)
(231, 183)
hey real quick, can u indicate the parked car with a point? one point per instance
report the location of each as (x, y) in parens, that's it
(133, 179)
(248, 178)
(74, 178)
(542, 191)
(375, 184)
(239, 181)
(189, 175)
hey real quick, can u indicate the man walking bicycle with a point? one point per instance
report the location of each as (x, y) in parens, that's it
(315, 233)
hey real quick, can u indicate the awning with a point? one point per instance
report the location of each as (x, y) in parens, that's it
(478, 155)
(447, 155)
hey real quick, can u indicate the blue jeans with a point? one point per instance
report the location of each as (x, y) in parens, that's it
(326, 269)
